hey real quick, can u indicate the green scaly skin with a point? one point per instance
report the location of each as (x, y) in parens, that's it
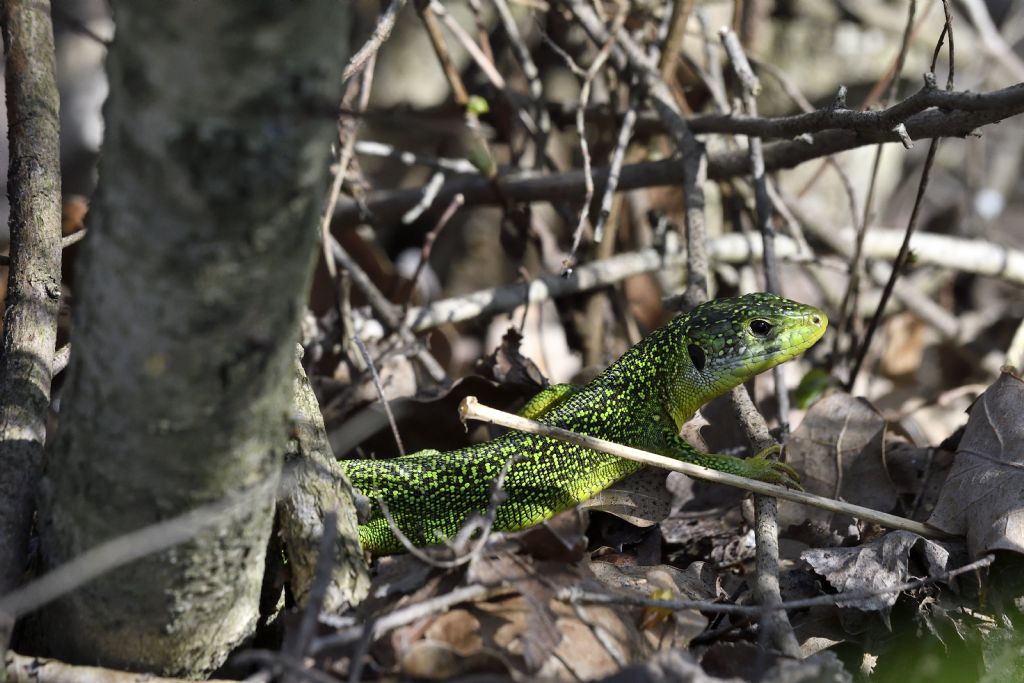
(641, 400)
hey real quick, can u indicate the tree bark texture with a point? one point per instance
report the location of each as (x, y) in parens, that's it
(188, 298)
(315, 486)
(30, 317)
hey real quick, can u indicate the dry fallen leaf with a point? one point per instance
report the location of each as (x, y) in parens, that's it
(839, 450)
(879, 565)
(664, 582)
(507, 364)
(641, 499)
(983, 497)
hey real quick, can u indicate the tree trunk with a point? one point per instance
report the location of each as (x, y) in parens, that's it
(190, 287)
(33, 290)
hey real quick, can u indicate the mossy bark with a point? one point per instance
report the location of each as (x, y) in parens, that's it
(189, 291)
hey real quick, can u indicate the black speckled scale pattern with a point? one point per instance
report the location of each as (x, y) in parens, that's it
(641, 400)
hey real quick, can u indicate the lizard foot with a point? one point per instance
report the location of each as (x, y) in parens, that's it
(760, 467)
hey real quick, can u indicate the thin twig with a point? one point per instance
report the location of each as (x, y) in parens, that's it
(380, 149)
(851, 296)
(848, 599)
(522, 53)
(436, 35)
(587, 77)
(966, 113)
(385, 23)
(485, 65)
(427, 197)
(379, 386)
(901, 258)
(483, 524)
(471, 409)
(615, 165)
(348, 130)
(407, 615)
(966, 255)
(132, 546)
(388, 312)
(428, 245)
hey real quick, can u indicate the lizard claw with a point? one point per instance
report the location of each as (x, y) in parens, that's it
(760, 467)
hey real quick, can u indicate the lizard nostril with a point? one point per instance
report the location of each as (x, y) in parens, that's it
(816, 320)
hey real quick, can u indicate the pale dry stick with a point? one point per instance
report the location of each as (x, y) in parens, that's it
(341, 168)
(615, 165)
(428, 195)
(587, 77)
(61, 358)
(506, 298)
(129, 547)
(482, 32)
(428, 245)
(385, 24)
(751, 86)
(532, 74)
(971, 256)
(471, 409)
(776, 625)
(73, 238)
(767, 589)
(380, 149)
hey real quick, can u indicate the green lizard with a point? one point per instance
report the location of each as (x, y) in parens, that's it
(641, 400)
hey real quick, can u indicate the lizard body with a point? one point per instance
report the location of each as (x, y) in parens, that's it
(640, 400)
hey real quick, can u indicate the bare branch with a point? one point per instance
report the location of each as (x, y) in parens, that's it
(970, 111)
(385, 23)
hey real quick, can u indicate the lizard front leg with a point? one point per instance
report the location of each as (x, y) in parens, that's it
(759, 467)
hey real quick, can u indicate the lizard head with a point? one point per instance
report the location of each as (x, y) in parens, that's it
(731, 340)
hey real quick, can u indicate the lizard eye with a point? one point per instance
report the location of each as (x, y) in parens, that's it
(696, 356)
(760, 327)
